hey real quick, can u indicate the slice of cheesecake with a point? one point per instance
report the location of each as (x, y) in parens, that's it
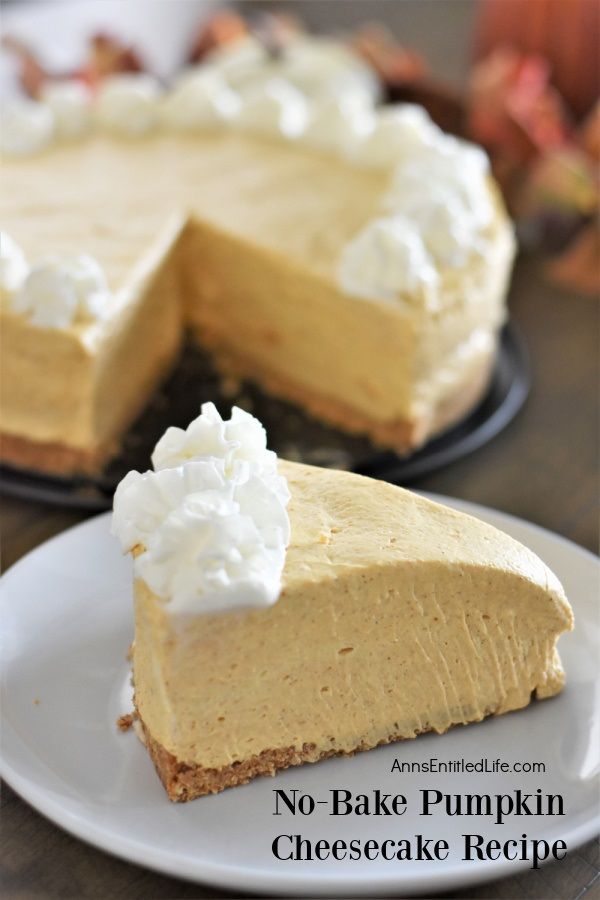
(396, 616)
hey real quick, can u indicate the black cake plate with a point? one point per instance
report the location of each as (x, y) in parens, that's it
(292, 433)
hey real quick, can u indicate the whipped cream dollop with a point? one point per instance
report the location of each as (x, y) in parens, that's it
(317, 67)
(323, 67)
(396, 133)
(274, 108)
(70, 104)
(200, 99)
(128, 104)
(240, 438)
(386, 260)
(337, 125)
(444, 190)
(242, 63)
(60, 290)
(26, 127)
(437, 209)
(13, 264)
(210, 524)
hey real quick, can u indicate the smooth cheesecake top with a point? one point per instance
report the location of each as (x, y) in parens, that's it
(111, 197)
(341, 520)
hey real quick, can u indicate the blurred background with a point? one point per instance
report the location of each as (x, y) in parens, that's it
(144, 21)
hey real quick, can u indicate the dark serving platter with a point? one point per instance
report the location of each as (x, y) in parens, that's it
(292, 433)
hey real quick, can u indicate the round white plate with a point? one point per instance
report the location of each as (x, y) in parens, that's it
(66, 624)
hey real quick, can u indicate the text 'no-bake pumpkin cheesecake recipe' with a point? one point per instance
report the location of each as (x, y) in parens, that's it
(347, 256)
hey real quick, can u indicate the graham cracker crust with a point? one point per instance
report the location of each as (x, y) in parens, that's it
(183, 781)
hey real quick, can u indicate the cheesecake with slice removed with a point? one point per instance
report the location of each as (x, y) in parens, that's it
(286, 613)
(369, 294)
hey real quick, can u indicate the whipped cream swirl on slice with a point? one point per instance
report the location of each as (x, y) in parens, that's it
(200, 99)
(240, 438)
(13, 264)
(60, 290)
(128, 104)
(26, 127)
(275, 109)
(70, 104)
(211, 533)
(387, 260)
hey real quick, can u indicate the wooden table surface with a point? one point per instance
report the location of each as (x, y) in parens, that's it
(544, 468)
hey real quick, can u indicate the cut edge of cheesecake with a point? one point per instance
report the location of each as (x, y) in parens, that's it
(186, 779)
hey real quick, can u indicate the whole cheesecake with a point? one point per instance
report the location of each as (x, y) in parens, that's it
(304, 259)
(376, 617)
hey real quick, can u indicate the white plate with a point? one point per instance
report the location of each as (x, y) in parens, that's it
(66, 625)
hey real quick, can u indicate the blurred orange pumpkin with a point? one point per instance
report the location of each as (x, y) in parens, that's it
(565, 32)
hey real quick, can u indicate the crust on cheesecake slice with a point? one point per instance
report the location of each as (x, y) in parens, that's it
(397, 616)
(183, 781)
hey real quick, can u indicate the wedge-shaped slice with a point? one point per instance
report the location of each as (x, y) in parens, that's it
(397, 616)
